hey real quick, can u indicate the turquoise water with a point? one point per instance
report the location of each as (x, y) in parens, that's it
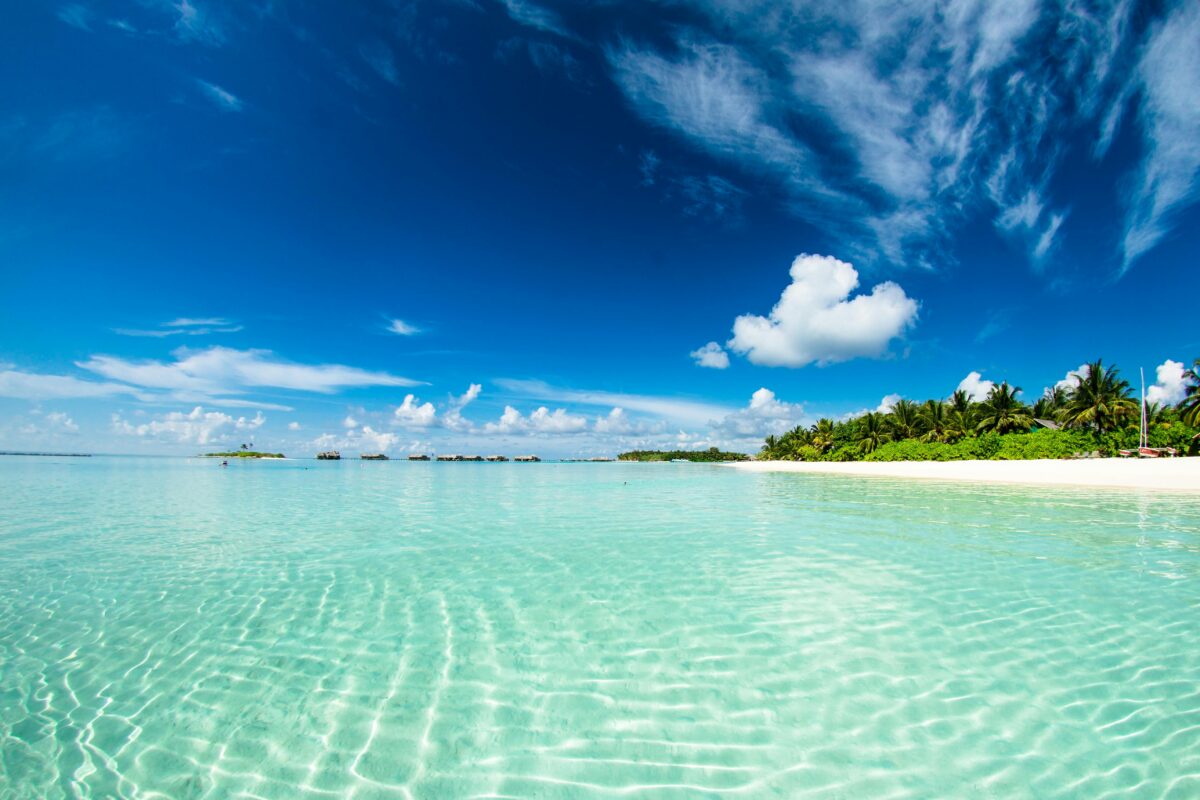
(300, 629)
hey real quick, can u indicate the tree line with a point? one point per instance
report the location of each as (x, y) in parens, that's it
(1097, 415)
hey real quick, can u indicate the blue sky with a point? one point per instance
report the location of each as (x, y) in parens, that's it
(576, 228)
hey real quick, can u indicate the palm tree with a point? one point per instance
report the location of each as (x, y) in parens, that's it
(1050, 403)
(1002, 412)
(935, 415)
(959, 425)
(1099, 399)
(1189, 408)
(961, 401)
(821, 435)
(872, 432)
(906, 419)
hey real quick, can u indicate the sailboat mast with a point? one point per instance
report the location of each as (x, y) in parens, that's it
(1143, 439)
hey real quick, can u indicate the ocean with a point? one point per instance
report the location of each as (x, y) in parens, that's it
(293, 629)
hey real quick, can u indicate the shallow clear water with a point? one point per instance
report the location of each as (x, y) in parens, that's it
(300, 629)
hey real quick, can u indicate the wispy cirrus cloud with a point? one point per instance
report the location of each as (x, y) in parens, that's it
(891, 125)
(672, 409)
(1169, 176)
(221, 98)
(223, 370)
(184, 326)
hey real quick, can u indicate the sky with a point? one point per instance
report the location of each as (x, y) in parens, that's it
(578, 228)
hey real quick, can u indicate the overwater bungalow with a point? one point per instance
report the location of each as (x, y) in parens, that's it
(373, 456)
(526, 458)
(418, 457)
(329, 455)
(496, 458)
(472, 458)
(450, 458)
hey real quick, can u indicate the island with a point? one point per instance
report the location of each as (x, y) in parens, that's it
(712, 454)
(243, 454)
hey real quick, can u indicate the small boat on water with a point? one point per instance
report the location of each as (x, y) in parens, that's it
(329, 455)
(373, 456)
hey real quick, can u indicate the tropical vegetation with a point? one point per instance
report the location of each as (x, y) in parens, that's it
(243, 454)
(1095, 414)
(711, 454)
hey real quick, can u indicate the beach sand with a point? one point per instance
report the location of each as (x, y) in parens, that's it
(1166, 474)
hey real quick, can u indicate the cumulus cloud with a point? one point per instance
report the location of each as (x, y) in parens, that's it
(765, 414)
(1171, 385)
(453, 418)
(975, 386)
(196, 427)
(414, 414)
(712, 355)
(817, 320)
(542, 420)
(887, 403)
(1072, 378)
(293, 426)
(349, 422)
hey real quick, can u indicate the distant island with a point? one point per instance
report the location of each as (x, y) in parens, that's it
(709, 455)
(57, 455)
(243, 454)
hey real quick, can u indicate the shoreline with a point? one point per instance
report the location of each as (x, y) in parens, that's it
(1165, 474)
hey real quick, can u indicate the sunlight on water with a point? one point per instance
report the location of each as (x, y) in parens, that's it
(300, 629)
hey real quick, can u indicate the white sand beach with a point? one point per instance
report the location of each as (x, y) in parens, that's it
(1167, 474)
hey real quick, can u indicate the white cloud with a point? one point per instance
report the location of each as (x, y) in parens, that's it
(888, 403)
(765, 414)
(715, 97)
(1072, 378)
(76, 16)
(349, 422)
(711, 355)
(1171, 385)
(975, 386)
(1169, 73)
(414, 414)
(402, 328)
(453, 418)
(535, 16)
(196, 427)
(542, 420)
(194, 24)
(59, 420)
(184, 326)
(675, 410)
(36, 386)
(925, 100)
(198, 322)
(221, 98)
(376, 441)
(222, 370)
(816, 320)
(293, 426)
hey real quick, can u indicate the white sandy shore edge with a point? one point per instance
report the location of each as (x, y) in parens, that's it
(1166, 474)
